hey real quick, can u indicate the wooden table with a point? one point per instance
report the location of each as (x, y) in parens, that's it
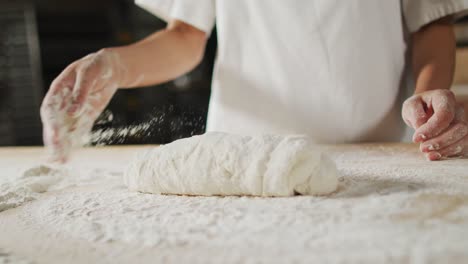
(392, 206)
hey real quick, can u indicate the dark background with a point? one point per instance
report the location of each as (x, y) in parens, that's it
(38, 39)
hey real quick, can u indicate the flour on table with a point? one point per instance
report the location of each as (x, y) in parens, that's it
(227, 164)
(8, 258)
(41, 170)
(392, 206)
(28, 185)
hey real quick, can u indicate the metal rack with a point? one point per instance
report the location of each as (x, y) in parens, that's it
(20, 75)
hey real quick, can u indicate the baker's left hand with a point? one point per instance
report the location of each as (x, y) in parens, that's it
(439, 122)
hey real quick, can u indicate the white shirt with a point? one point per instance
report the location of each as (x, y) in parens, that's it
(330, 69)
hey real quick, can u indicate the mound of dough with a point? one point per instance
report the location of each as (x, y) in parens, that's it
(226, 164)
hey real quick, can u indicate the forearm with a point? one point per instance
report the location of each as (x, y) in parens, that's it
(433, 56)
(162, 56)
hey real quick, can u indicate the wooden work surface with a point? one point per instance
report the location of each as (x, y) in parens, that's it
(392, 206)
(15, 154)
(409, 154)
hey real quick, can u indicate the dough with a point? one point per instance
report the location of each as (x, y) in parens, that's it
(226, 164)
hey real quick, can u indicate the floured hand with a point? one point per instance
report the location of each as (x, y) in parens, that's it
(75, 100)
(439, 122)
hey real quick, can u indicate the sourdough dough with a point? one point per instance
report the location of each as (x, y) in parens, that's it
(226, 164)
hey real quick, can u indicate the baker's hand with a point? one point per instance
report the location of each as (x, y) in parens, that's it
(439, 123)
(75, 100)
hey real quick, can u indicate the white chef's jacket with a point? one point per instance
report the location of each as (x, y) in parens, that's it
(330, 69)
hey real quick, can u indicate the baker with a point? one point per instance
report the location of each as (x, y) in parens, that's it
(336, 71)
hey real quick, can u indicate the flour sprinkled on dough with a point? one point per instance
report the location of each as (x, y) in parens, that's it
(227, 164)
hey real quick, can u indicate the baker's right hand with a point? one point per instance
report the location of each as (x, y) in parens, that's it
(75, 100)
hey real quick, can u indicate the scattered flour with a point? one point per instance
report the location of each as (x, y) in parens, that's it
(30, 184)
(387, 228)
(102, 137)
(65, 131)
(8, 258)
(391, 206)
(227, 164)
(41, 170)
(27, 186)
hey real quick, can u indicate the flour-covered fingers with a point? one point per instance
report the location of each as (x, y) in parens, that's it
(413, 112)
(444, 105)
(50, 126)
(453, 134)
(60, 153)
(74, 101)
(94, 78)
(460, 114)
(444, 153)
(49, 135)
(55, 145)
(60, 90)
(457, 149)
(101, 99)
(84, 85)
(66, 78)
